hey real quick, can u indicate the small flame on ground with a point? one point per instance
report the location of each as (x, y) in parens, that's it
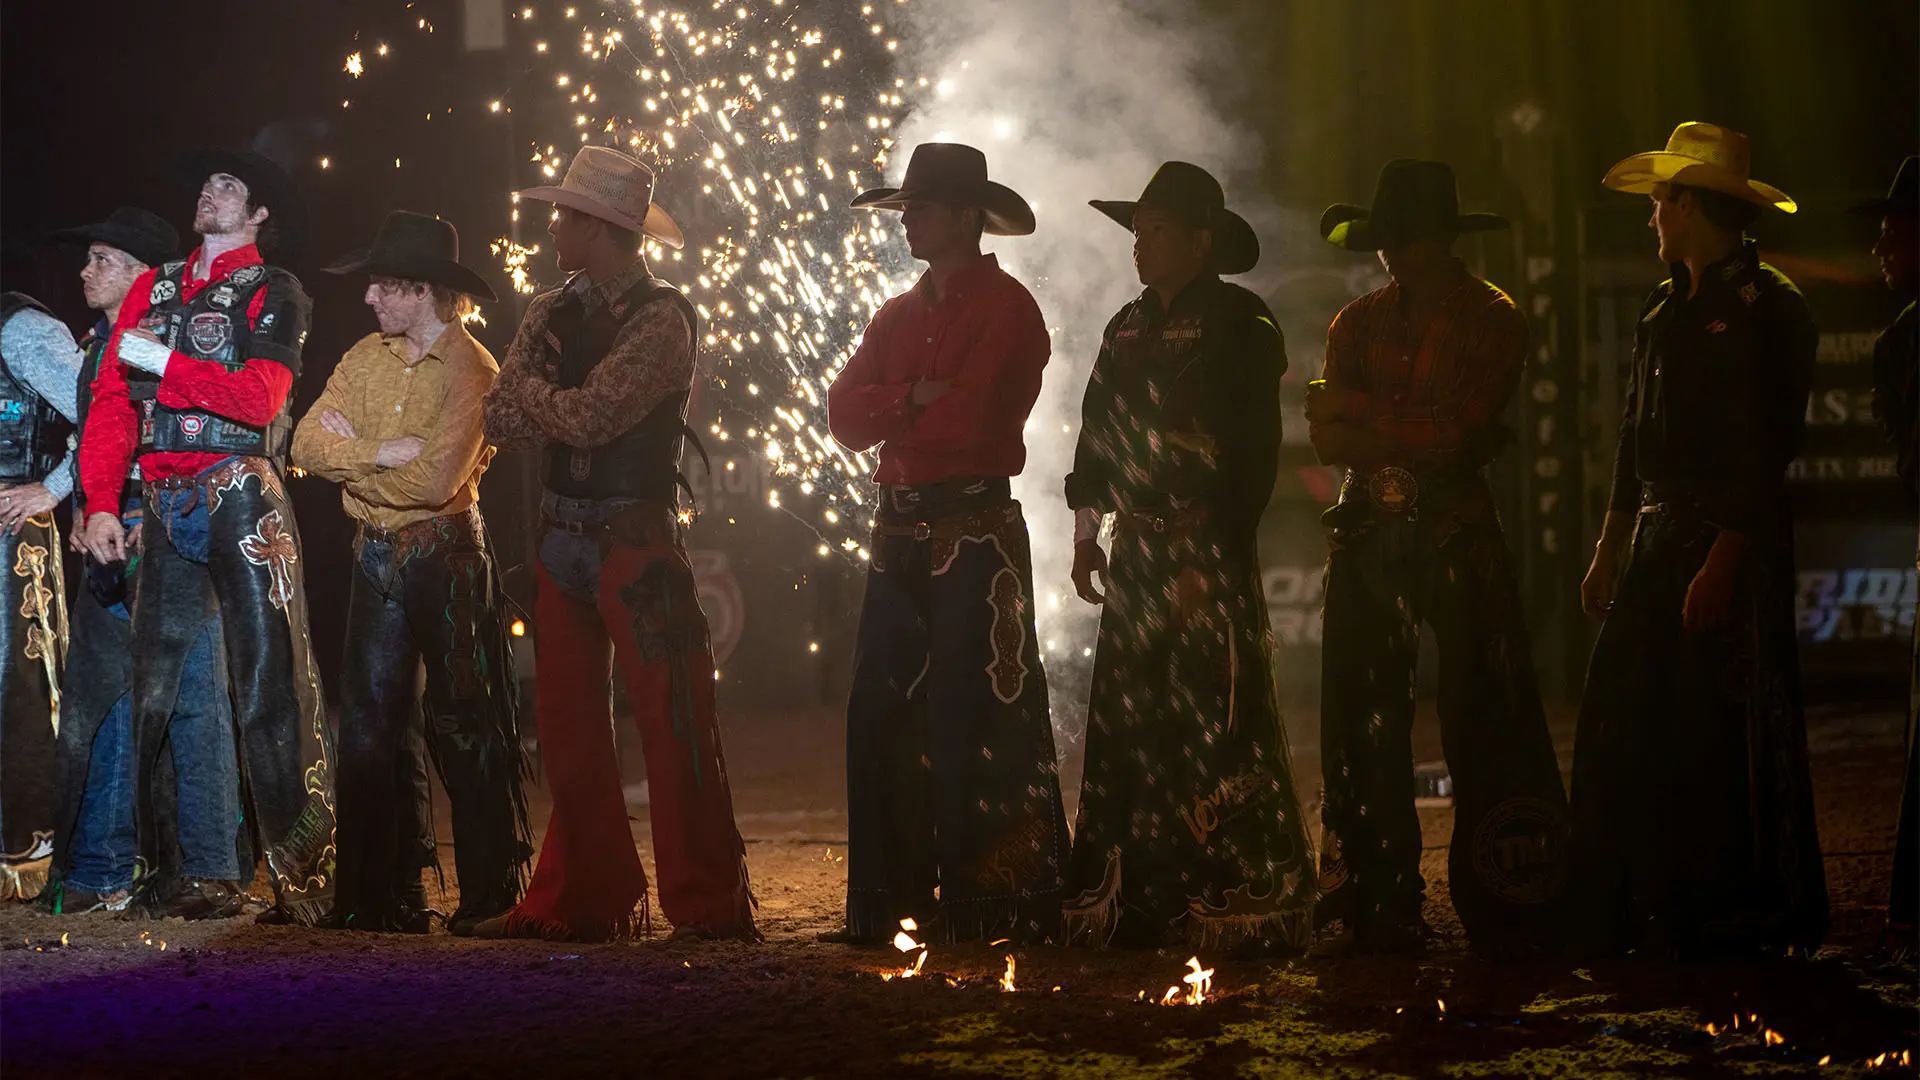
(1443, 1005)
(1824, 1060)
(63, 939)
(1006, 980)
(905, 943)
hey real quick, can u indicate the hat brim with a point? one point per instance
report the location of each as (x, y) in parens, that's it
(432, 271)
(657, 226)
(143, 248)
(1006, 212)
(1236, 248)
(1351, 227)
(1638, 174)
(268, 185)
(1880, 208)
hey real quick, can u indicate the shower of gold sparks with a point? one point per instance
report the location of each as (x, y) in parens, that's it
(763, 126)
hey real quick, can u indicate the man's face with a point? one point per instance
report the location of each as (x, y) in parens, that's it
(935, 230)
(1899, 252)
(1166, 250)
(399, 305)
(1673, 221)
(222, 210)
(1416, 258)
(572, 234)
(107, 276)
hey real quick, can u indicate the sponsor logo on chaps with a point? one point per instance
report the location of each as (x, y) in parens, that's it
(1519, 851)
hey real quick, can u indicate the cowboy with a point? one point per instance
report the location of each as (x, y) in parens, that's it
(94, 839)
(399, 428)
(952, 783)
(1189, 826)
(598, 377)
(1416, 375)
(1896, 405)
(195, 384)
(38, 365)
(1692, 803)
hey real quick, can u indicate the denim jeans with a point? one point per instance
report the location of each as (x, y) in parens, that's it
(573, 559)
(201, 735)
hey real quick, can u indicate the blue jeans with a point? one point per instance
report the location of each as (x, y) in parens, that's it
(206, 773)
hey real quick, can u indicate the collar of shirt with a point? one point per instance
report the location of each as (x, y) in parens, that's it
(964, 280)
(603, 294)
(1719, 276)
(224, 264)
(397, 345)
(1191, 293)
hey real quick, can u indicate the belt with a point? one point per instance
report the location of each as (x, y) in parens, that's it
(1399, 491)
(1172, 521)
(425, 531)
(633, 526)
(954, 527)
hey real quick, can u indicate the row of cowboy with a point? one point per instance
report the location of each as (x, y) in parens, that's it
(1189, 823)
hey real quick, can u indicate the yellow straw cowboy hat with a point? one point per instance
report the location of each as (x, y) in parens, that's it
(611, 186)
(1703, 156)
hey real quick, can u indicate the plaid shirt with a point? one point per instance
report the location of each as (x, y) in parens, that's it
(1435, 390)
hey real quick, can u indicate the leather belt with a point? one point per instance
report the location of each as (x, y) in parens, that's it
(1172, 521)
(951, 528)
(633, 526)
(425, 531)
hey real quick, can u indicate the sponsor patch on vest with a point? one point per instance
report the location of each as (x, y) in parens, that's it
(209, 332)
(1749, 292)
(247, 275)
(163, 291)
(579, 464)
(190, 427)
(222, 296)
(266, 321)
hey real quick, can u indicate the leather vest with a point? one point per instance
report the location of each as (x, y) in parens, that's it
(33, 435)
(642, 462)
(211, 326)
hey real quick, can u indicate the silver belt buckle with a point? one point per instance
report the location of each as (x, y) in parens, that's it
(922, 531)
(1394, 490)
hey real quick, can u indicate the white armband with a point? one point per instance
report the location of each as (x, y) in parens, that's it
(150, 356)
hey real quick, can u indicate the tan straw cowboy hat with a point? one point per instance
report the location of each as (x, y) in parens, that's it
(611, 186)
(1703, 156)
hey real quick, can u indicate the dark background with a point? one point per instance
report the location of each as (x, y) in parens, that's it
(1529, 102)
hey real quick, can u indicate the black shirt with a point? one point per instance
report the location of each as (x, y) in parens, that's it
(1896, 392)
(1717, 397)
(1184, 407)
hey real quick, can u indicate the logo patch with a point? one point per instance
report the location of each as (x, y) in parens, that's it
(163, 291)
(247, 275)
(209, 332)
(1716, 327)
(266, 321)
(221, 297)
(1749, 292)
(190, 426)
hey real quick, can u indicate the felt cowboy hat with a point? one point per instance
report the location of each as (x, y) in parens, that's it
(1703, 156)
(268, 185)
(1902, 198)
(416, 247)
(1191, 194)
(1412, 200)
(954, 173)
(140, 233)
(611, 186)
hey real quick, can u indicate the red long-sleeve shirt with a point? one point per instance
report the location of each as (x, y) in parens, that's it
(253, 395)
(985, 338)
(1430, 389)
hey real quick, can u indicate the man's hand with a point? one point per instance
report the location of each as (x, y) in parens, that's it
(927, 391)
(1596, 589)
(141, 349)
(106, 538)
(1089, 560)
(134, 542)
(19, 504)
(1323, 405)
(397, 452)
(335, 421)
(1710, 595)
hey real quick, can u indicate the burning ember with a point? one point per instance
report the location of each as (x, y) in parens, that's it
(1006, 981)
(1199, 980)
(905, 943)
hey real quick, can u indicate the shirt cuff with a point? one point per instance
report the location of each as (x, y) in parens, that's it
(59, 482)
(1086, 524)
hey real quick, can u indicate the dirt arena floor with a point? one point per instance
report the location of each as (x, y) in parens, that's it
(96, 996)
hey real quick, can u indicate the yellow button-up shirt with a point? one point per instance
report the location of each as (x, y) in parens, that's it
(384, 396)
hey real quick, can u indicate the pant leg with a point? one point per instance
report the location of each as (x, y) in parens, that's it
(652, 615)
(33, 639)
(205, 763)
(891, 865)
(455, 612)
(103, 847)
(1370, 645)
(379, 704)
(1903, 906)
(1507, 859)
(589, 878)
(286, 750)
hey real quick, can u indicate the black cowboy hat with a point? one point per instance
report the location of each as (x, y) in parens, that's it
(1190, 193)
(1413, 200)
(416, 247)
(954, 173)
(140, 233)
(268, 185)
(1902, 198)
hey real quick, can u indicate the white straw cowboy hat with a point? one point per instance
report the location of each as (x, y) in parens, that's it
(1704, 156)
(611, 186)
